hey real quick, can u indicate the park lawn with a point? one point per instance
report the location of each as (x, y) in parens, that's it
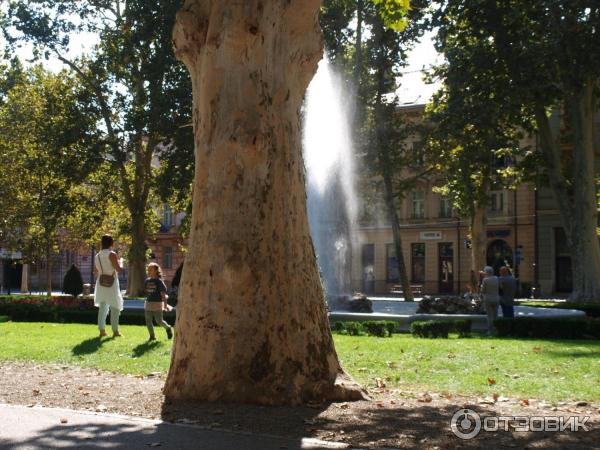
(543, 369)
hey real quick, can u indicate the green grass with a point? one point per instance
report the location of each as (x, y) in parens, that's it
(551, 370)
(79, 344)
(526, 368)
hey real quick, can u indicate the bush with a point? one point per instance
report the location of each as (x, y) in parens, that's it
(593, 328)
(440, 329)
(354, 328)
(391, 327)
(375, 328)
(550, 328)
(73, 282)
(64, 310)
(462, 327)
(340, 327)
(4, 319)
(430, 329)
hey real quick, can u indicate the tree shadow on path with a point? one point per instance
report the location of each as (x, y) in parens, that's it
(369, 425)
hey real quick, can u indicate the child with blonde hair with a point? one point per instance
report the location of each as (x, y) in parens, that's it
(156, 301)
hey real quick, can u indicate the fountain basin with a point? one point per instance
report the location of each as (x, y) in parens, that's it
(405, 313)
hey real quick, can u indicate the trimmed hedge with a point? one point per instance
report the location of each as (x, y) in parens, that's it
(552, 328)
(440, 329)
(379, 328)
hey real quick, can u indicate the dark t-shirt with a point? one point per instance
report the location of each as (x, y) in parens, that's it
(154, 286)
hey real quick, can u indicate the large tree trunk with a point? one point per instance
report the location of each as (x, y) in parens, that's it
(49, 269)
(478, 243)
(251, 321)
(25, 279)
(578, 212)
(585, 247)
(136, 264)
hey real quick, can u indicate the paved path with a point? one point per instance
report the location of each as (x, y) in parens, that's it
(26, 428)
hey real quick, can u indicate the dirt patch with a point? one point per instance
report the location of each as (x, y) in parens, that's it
(395, 418)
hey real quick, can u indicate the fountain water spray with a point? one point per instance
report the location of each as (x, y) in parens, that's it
(328, 155)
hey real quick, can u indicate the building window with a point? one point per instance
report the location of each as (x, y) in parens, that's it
(391, 264)
(167, 257)
(497, 202)
(418, 262)
(167, 216)
(417, 153)
(445, 207)
(418, 204)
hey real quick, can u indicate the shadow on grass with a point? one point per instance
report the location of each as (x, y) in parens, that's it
(88, 346)
(145, 347)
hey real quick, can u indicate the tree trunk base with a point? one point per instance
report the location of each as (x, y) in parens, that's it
(344, 389)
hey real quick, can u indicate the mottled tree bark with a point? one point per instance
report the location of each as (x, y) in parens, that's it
(251, 319)
(478, 230)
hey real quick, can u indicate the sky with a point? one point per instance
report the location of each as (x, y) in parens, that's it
(413, 89)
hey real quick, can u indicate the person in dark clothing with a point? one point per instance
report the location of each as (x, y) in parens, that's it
(156, 301)
(508, 290)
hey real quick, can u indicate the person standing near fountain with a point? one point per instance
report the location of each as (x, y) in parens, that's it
(508, 289)
(490, 295)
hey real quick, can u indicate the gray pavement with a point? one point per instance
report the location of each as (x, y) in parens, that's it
(26, 428)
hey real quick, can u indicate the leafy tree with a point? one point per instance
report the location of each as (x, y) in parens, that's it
(49, 141)
(376, 63)
(540, 56)
(140, 91)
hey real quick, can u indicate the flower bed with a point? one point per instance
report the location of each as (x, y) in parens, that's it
(62, 309)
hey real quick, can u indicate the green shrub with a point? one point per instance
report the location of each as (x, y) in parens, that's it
(593, 328)
(44, 311)
(375, 328)
(4, 319)
(340, 327)
(431, 329)
(73, 282)
(462, 327)
(354, 328)
(391, 327)
(549, 328)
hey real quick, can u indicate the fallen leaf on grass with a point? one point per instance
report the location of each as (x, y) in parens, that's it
(491, 381)
(495, 396)
(536, 349)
